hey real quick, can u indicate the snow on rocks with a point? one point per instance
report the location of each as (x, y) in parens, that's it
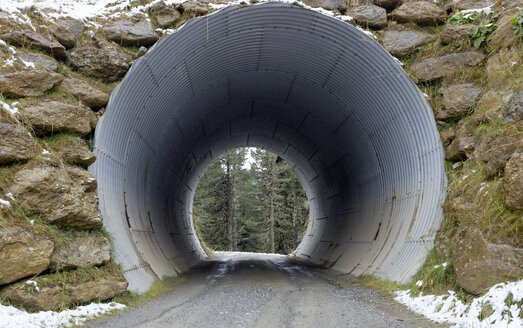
(501, 298)
(14, 318)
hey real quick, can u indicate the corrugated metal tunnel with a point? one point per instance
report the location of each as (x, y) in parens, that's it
(314, 90)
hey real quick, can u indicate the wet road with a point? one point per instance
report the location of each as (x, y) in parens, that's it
(266, 291)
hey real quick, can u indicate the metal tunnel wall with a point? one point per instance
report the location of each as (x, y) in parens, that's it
(314, 90)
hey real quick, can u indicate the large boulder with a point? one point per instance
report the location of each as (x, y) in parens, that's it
(83, 251)
(196, 8)
(479, 265)
(490, 105)
(457, 100)
(131, 32)
(28, 83)
(468, 4)
(30, 38)
(453, 32)
(513, 182)
(404, 42)
(498, 151)
(164, 15)
(458, 207)
(51, 116)
(419, 12)
(22, 253)
(325, 4)
(514, 110)
(67, 31)
(504, 36)
(87, 91)
(16, 143)
(371, 16)
(40, 60)
(62, 196)
(74, 150)
(433, 68)
(464, 142)
(388, 4)
(52, 295)
(106, 62)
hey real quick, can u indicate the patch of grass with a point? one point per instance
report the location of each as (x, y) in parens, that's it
(79, 275)
(490, 214)
(385, 286)
(158, 288)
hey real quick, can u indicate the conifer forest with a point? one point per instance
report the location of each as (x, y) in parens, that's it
(258, 209)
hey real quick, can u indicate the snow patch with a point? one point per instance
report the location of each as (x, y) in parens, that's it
(5, 203)
(448, 308)
(14, 318)
(35, 285)
(486, 11)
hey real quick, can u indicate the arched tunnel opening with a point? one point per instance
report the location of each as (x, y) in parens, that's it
(314, 90)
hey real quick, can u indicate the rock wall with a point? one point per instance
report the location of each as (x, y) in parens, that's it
(56, 76)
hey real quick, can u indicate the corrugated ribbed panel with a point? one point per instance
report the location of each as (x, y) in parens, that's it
(311, 88)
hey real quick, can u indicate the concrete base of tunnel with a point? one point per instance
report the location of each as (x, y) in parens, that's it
(314, 90)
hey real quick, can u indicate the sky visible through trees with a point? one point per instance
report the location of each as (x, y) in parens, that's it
(261, 208)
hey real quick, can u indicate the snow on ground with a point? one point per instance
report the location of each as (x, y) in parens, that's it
(247, 254)
(447, 308)
(11, 317)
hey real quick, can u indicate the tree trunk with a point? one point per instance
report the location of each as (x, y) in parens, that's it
(229, 205)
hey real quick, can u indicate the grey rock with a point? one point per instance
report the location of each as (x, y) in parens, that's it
(53, 116)
(131, 32)
(403, 43)
(434, 68)
(479, 265)
(74, 150)
(164, 15)
(40, 60)
(453, 32)
(22, 253)
(198, 8)
(457, 100)
(498, 151)
(388, 4)
(67, 31)
(372, 16)
(84, 250)
(514, 110)
(107, 62)
(468, 4)
(62, 196)
(513, 182)
(16, 143)
(87, 91)
(504, 36)
(28, 83)
(327, 4)
(460, 147)
(464, 142)
(419, 12)
(447, 135)
(30, 38)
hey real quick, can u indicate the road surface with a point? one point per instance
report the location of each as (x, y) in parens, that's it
(265, 291)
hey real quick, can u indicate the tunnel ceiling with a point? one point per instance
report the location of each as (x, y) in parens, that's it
(314, 90)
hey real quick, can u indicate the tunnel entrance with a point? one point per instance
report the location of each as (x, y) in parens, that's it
(314, 90)
(250, 200)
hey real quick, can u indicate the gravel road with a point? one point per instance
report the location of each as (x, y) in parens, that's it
(266, 291)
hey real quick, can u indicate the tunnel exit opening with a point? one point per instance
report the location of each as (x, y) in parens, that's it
(250, 200)
(310, 88)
